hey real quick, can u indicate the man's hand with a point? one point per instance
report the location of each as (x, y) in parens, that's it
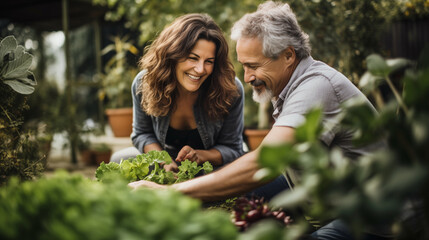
(171, 167)
(147, 184)
(188, 153)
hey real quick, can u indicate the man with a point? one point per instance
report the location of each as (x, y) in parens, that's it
(275, 54)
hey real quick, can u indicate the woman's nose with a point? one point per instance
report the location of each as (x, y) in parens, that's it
(199, 67)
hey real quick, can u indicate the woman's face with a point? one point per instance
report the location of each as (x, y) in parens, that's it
(192, 71)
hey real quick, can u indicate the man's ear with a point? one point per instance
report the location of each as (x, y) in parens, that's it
(289, 55)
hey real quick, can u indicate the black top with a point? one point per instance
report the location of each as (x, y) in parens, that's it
(177, 139)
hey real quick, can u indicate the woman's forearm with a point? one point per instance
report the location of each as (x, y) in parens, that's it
(212, 155)
(152, 146)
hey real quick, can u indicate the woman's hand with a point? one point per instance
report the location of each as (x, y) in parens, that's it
(171, 167)
(188, 153)
(147, 184)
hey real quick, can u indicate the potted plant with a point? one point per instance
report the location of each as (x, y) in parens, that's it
(86, 155)
(94, 154)
(102, 153)
(116, 86)
(255, 135)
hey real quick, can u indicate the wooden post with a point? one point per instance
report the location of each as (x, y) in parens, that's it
(72, 134)
(98, 64)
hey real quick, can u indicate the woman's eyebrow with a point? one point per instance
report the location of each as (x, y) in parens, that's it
(199, 56)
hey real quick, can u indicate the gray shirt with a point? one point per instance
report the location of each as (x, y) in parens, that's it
(224, 134)
(313, 84)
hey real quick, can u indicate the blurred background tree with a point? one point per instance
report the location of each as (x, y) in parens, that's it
(342, 32)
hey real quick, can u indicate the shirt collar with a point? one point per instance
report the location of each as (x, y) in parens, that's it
(299, 71)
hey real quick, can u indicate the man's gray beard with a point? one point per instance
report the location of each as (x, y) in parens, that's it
(262, 97)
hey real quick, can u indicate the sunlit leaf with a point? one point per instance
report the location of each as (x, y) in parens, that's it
(360, 117)
(377, 65)
(369, 82)
(312, 127)
(19, 87)
(276, 158)
(397, 64)
(264, 174)
(7, 45)
(290, 198)
(14, 66)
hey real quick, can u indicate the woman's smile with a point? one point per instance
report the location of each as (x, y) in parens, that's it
(192, 71)
(193, 77)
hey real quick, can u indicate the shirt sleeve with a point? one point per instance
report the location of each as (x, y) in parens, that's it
(143, 132)
(315, 91)
(230, 140)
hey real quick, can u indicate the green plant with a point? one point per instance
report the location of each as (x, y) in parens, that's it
(66, 206)
(119, 74)
(150, 16)
(100, 147)
(411, 10)
(15, 63)
(375, 188)
(148, 167)
(19, 153)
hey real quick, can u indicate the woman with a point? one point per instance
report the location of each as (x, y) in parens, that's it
(187, 100)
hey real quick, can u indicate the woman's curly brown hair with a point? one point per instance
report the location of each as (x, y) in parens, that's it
(159, 84)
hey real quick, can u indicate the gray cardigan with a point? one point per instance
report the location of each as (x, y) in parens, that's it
(225, 134)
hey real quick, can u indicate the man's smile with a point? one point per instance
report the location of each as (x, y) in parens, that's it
(258, 85)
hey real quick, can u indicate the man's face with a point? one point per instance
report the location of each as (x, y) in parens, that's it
(268, 77)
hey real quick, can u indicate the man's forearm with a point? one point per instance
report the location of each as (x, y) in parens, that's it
(234, 179)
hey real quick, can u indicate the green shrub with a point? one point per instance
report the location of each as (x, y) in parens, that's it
(66, 206)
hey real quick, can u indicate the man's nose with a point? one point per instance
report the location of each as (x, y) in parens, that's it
(248, 76)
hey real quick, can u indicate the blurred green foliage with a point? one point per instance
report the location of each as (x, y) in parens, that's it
(151, 16)
(65, 206)
(119, 74)
(342, 32)
(335, 26)
(373, 189)
(411, 10)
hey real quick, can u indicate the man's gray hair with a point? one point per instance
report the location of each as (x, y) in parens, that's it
(276, 26)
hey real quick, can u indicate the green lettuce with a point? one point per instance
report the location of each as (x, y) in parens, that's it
(148, 166)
